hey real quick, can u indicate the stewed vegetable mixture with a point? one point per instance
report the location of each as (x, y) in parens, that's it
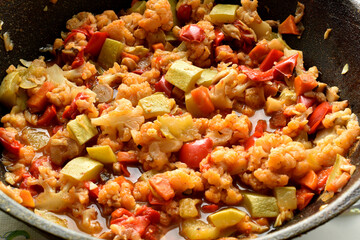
(173, 119)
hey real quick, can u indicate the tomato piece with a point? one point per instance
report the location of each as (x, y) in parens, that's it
(210, 208)
(202, 99)
(273, 56)
(36, 163)
(71, 111)
(184, 13)
(308, 102)
(150, 213)
(162, 186)
(194, 152)
(286, 66)
(304, 83)
(95, 43)
(303, 197)
(38, 101)
(318, 115)
(47, 117)
(164, 86)
(192, 33)
(79, 60)
(257, 75)
(310, 180)
(289, 26)
(7, 139)
(219, 37)
(139, 224)
(322, 178)
(259, 52)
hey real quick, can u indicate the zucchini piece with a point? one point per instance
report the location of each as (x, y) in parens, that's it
(175, 127)
(226, 218)
(262, 30)
(82, 169)
(9, 89)
(223, 13)
(197, 230)
(81, 129)
(286, 198)
(260, 205)
(37, 138)
(156, 104)
(183, 75)
(138, 7)
(102, 154)
(192, 107)
(206, 77)
(110, 53)
(187, 207)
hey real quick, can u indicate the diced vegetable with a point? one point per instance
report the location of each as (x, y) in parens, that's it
(102, 154)
(27, 199)
(187, 207)
(110, 53)
(202, 100)
(288, 96)
(198, 230)
(156, 104)
(9, 88)
(226, 218)
(304, 83)
(262, 30)
(206, 77)
(38, 101)
(310, 180)
(161, 185)
(210, 208)
(95, 43)
(81, 129)
(223, 13)
(129, 55)
(193, 152)
(303, 197)
(82, 169)
(37, 138)
(173, 11)
(318, 115)
(260, 205)
(219, 37)
(286, 198)
(175, 127)
(273, 56)
(308, 102)
(170, 37)
(333, 184)
(7, 139)
(286, 66)
(47, 117)
(56, 75)
(72, 111)
(259, 52)
(138, 7)
(163, 86)
(158, 46)
(79, 59)
(257, 75)
(184, 13)
(273, 105)
(127, 157)
(323, 176)
(183, 75)
(192, 33)
(289, 26)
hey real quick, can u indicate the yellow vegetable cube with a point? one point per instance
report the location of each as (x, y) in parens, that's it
(110, 53)
(223, 13)
(175, 127)
(156, 104)
(207, 77)
(226, 218)
(183, 75)
(82, 169)
(286, 198)
(81, 129)
(260, 205)
(102, 154)
(187, 207)
(198, 230)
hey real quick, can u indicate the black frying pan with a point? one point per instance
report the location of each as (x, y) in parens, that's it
(31, 28)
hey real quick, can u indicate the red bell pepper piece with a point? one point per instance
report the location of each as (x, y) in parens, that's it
(164, 86)
(184, 13)
(303, 197)
(120, 212)
(259, 52)
(322, 178)
(7, 139)
(139, 71)
(79, 60)
(94, 193)
(86, 30)
(273, 56)
(219, 37)
(318, 115)
(47, 117)
(260, 128)
(38, 101)
(202, 99)
(193, 153)
(286, 66)
(304, 83)
(162, 186)
(308, 102)
(289, 26)
(95, 43)
(71, 111)
(192, 33)
(210, 208)
(256, 75)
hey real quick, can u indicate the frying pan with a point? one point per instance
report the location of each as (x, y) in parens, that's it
(31, 28)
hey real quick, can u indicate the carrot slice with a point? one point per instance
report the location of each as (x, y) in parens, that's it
(303, 197)
(202, 99)
(310, 180)
(37, 102)
(28, 200)
(129, 157)
(289, 26)
(304, 83)
(158, 46)
(132, 56)
(273, 56)
(259, 52)
(162, 186)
